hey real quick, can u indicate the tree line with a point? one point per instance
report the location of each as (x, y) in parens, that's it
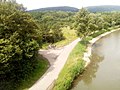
(87, 23)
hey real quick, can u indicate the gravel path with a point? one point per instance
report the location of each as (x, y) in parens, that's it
(57, 59)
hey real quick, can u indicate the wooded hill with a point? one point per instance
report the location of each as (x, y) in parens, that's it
(61, 8)
(103, 8)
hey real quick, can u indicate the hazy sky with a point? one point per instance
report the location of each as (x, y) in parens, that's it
(35, 4)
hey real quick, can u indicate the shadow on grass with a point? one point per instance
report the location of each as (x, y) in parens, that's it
(26, 82)
(40, 69)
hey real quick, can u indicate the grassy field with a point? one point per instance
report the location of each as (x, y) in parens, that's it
(73, 67)
(69, 34)
(41, 67)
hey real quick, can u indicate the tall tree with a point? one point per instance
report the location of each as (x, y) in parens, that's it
(18, 46)
(82, 22)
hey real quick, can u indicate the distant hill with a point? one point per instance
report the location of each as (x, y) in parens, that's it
(62, 8)
(103, 8)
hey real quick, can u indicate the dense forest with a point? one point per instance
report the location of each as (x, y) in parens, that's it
(22, 33)
(62, 8)
(50, 24)
(103, 8)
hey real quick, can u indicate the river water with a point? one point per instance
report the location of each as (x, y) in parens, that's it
(103, 73)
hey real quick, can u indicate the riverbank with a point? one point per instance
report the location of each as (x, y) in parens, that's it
(104, 65)
(91, 42)
(67, 74)
(73, 67)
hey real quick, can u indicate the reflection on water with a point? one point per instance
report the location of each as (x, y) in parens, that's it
(90, 72)
(103, 73)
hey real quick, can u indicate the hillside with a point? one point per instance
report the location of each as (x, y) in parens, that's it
(62, 8)
(103, 8)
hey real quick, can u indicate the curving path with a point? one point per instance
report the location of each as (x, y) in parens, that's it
(57, 59)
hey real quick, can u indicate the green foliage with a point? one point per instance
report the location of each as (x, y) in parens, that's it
(50, 24)
(26, 82)
(88, 26)
(62, 8)
(18, 44)
(69, 34)
(20, 38)
(39, 69)
(87, 23)
(112, 18)
(103, 8)
(73, 67)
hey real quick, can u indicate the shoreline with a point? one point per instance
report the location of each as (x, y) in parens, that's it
(87, 54)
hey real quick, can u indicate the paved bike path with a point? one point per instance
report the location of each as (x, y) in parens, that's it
(57, 62)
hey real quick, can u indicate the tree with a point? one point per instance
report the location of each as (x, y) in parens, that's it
(83, 23)
(18, 44)
(88, 23)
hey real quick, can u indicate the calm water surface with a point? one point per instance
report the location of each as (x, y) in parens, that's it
(103, 73)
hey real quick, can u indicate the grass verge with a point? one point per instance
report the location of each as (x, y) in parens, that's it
(40, 69)
(26, 82)
(73, 67)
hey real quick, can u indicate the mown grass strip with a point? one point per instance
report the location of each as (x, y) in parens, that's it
(39, 70)
(73, 67)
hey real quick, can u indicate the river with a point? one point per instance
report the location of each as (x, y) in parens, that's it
(103, 73)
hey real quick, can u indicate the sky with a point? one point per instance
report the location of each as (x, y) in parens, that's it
(36, 4)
